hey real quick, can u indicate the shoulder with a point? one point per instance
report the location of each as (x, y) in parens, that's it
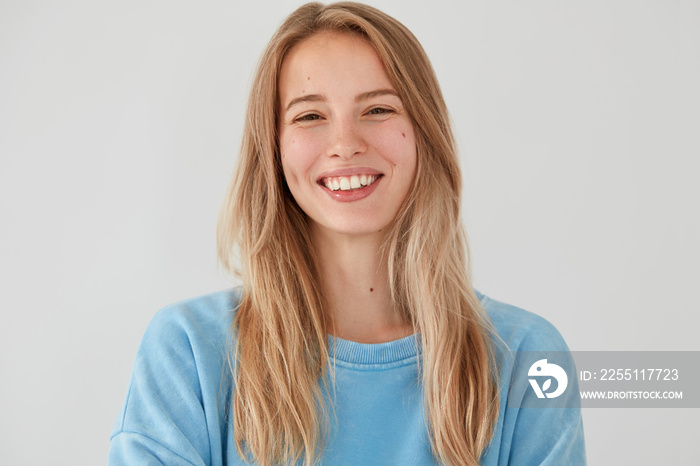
(183, 351)
(521, 330)
(178, 382)
(208, 316)
(194, 334)
(533, 429)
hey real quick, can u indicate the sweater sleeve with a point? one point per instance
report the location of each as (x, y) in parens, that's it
(128, 448)
(162, 420)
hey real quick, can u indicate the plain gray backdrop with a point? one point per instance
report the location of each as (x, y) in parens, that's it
(578, 125)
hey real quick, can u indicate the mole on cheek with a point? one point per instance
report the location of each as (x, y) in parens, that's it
(371, 290)
(308, 78)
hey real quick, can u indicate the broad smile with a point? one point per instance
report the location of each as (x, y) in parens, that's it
(349, 185)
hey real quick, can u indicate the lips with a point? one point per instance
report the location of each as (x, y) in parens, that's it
(347, 185)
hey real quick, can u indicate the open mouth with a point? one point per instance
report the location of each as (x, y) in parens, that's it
(348, 183)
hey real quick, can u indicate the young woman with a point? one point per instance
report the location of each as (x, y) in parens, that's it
(356, 337)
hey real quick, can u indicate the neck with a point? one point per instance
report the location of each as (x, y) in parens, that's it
(355, 279)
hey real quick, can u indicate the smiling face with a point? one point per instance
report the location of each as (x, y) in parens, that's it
(347, 144)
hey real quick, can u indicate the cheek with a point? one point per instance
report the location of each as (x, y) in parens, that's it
(398, 145)
(298, 152)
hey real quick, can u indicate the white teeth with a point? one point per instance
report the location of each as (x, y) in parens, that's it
(347, 184)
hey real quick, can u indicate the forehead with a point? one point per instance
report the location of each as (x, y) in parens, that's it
(331, 62)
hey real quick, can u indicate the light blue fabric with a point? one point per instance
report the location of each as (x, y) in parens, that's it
(176, 408)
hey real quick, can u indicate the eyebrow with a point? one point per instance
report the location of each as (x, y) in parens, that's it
(358, 98)
(306, 98)
(377, 93)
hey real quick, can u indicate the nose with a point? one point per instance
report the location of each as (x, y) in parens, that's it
(346, 139)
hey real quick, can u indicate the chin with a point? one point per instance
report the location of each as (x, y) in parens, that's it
(352, 229)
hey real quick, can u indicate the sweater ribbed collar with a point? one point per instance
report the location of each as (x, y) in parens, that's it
(373, 353)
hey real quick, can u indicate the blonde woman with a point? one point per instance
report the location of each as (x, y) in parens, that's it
(356, 337)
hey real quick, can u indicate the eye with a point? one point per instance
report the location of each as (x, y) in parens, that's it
(379, 111)
(308, 117)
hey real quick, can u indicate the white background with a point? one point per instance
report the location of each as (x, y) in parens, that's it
(578, 124)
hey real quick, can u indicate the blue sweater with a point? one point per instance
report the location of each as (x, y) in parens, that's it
(176, 408)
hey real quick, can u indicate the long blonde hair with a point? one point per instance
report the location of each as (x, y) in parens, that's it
(281, 349)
